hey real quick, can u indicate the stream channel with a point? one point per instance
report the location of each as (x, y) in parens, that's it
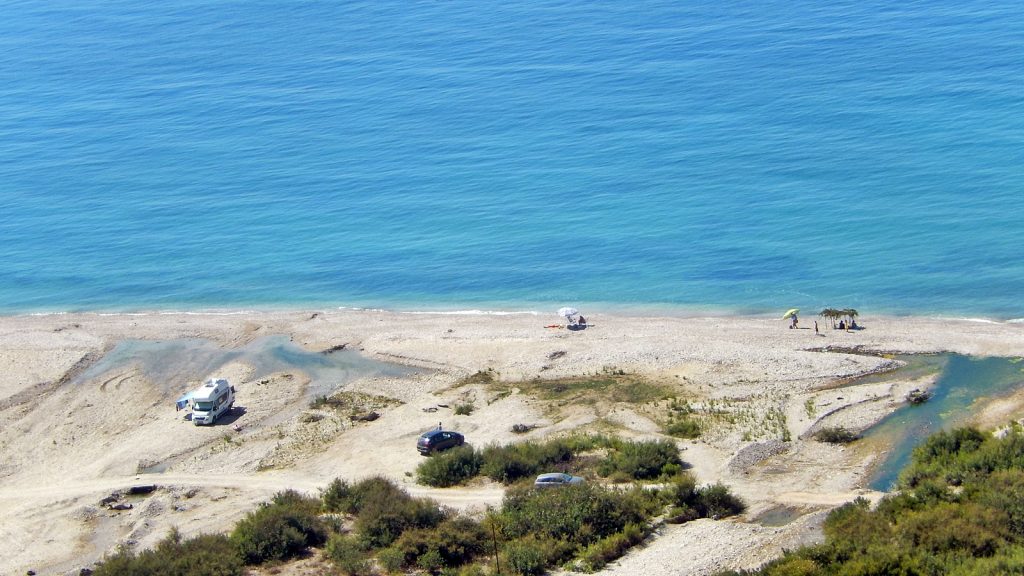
(964, 386)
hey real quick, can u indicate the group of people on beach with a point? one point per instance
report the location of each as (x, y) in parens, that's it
(843, 325)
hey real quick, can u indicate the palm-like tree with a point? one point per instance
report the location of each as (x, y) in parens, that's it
(831, 314)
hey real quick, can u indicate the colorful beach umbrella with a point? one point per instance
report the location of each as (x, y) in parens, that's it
(790, 313)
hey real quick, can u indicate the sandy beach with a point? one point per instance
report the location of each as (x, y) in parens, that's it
(76, 430)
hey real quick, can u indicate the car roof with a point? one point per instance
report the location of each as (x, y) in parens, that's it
(432, 433)
(553, 476)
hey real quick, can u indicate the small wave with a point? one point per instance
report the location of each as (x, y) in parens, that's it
(476, 313)
(471, 312)
(980, 320)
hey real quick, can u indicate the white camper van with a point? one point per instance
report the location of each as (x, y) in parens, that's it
(212, 400)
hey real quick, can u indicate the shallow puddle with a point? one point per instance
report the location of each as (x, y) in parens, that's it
(176, 365)
(778, 516)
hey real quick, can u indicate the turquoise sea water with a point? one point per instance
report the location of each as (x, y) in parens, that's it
(745, 157)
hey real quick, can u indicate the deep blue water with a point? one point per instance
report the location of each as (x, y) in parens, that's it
(745, 157)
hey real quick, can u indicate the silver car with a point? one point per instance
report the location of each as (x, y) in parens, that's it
(556, 479)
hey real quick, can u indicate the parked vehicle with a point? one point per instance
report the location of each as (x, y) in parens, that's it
(437, 440)
(556, 479)
(211, 401)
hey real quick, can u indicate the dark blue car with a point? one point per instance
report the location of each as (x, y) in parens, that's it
(437, 440)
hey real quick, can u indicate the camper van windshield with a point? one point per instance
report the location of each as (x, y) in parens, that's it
(204, 406)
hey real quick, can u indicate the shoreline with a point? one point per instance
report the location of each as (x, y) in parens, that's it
(66, 445)
(682, 312)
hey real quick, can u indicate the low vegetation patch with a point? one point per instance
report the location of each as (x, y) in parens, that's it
(513, 462)
(449, 468)
(610, 386)
(510, 463)
(682, 420)
(355, 404)
(206, 555)
(684, 427)
(642, 460)
(488, 376)
(835, 435)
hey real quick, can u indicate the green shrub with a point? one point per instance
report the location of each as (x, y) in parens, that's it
(641, 460)
(716, 501)
(347, 556)
(578, 514)
(337, 497)
(456, 541)
(464, 409)
(340, 496)
(688, 502)
(516, 461)
(684, 427)
(385, 511)
(835, 435)
(391, 559)
(967, 528)
(205, 555)
(598, 554)
(525, 557)
(449, 468)
(280, 529)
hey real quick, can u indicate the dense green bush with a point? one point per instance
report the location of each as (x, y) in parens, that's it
(526, 556)
(449, 468)
(382, 510)
(641, 460)
(382, 520)
(347, 556)
(391, 559)
(456, 541)
(340, 496)
(716, 501)
(598, 554)
(280, 529)
(206, 555)
(512, 462)
(578, 514)
(688, 502)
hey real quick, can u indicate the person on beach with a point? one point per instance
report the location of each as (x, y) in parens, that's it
(793, 325)
(815, 327)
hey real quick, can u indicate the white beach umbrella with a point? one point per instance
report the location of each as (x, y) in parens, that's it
(567, 312)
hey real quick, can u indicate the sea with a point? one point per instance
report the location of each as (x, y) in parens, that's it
(491, 157)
